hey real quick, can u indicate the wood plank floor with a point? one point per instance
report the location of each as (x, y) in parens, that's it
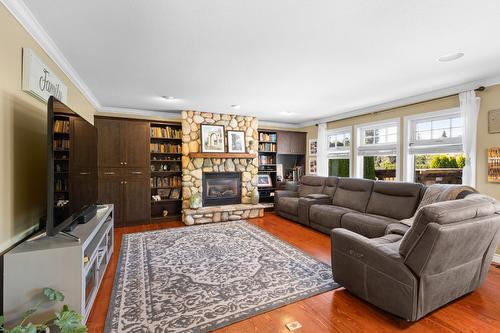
(335, 311)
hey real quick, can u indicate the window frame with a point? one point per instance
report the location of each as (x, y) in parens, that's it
(358, 129)
(331, 152)
(410, 132)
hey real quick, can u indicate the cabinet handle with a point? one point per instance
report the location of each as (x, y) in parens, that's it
(109, 173)
(84, 173)
(121, 163)
(125, 163)
(136, 172)
(124, 182)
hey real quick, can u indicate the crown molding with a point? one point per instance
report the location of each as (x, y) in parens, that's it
(452, 90)
(23, 15)
(265, 124)
(140, 112)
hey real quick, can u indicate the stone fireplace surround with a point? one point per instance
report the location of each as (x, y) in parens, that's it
(193, 168)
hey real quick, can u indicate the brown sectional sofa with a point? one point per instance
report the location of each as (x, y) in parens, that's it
(408, 271)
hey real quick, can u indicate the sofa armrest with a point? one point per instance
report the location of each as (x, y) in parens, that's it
(305, 205)
(375, 272)
(283, 194)
(396, 228)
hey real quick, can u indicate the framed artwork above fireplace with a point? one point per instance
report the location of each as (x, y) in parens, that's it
(212, 138)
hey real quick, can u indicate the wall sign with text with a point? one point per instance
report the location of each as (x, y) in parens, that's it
(39, 80)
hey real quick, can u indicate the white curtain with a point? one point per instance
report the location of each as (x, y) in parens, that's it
(321, 157)
(469, 107)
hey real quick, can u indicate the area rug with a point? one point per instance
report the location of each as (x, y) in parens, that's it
(199, 278)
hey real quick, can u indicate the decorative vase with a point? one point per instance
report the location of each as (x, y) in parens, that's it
(255, 196)
(195, 201)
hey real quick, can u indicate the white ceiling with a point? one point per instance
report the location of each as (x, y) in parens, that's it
(282, 60)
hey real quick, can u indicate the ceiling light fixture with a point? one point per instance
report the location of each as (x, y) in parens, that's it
(236, 106)
(450, 57)
(168, 98)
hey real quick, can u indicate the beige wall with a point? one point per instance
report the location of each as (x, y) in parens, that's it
(23, 134)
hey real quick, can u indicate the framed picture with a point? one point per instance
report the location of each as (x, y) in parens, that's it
(175, 194)
(313, 147)
(264, 181)
(236, 142)
(212, 138)
(164, 192)
(312, 165)
(494, 165)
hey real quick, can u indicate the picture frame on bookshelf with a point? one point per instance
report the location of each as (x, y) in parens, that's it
(312, 165)
(236, 142)
(212, 138)
(164, 192)
(264, 181)
(175, 193)
(313, 147)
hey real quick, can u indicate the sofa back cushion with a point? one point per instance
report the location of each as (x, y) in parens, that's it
(446, 213)
(330, 186)
(397, 200)
(311, 185)
(353, 193)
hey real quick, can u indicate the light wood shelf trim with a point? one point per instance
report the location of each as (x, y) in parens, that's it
(222, 155)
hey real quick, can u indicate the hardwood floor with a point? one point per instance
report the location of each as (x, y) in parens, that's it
(334, 311)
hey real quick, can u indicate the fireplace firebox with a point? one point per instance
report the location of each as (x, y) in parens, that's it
(221, 188)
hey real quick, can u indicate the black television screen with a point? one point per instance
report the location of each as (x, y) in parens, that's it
(72, 167)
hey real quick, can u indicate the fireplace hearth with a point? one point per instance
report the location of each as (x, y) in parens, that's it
(221, 188)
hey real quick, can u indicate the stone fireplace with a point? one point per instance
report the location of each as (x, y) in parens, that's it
(221, 188)
(224, 199)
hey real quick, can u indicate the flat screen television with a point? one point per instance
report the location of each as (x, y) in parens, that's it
(72, 168)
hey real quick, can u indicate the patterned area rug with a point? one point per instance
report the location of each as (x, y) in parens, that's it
(199, 278)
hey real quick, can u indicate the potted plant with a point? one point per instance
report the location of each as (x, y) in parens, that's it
(66, 321)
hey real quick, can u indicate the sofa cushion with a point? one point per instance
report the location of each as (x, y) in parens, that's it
(368, 225)
(327, 216)
(310, 185)
(397, 200)
(330, 186)
(289, 205)
(353, 193)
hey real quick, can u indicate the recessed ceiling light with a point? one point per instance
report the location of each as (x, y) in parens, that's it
(451, 57)
(168, 98)
(236, 106)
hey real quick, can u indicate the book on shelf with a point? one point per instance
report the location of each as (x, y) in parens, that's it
(165, 132)
(269, 137)
(173, 181)
(61, 126)
(165, 148)
(61, 144)
(267, 159)
(267, 147)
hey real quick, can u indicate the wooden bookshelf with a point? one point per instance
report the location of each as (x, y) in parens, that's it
(61, 153)
(268, 148)
(166, 170)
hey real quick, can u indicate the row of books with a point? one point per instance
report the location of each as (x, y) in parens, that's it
(271, 147)
(61, 144)
(165, 148)
(165, 132)
(61, 185)
(61, 126)
(174, 181)
(267, 159)
(269, 137)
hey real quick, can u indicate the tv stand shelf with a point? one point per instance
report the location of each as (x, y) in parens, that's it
(76, 268)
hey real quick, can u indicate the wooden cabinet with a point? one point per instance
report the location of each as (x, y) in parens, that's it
(123, 155)
(123, 143)
(291, 142)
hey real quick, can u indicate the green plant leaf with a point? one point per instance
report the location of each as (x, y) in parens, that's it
(29, 312)
(53, 295)
(30, 328)
(70, 322)
(2, 320)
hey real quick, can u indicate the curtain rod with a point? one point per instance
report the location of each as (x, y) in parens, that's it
(479, 89)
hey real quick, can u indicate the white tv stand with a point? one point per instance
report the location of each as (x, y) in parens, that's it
(74, 268)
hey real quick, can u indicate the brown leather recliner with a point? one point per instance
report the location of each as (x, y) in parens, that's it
(444, 255)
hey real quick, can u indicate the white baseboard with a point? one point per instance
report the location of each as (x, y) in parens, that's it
(496, 258)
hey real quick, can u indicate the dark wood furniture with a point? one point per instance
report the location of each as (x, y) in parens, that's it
(268, 147)
(123, 159)
(291, 142)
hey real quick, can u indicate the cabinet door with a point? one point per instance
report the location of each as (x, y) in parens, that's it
(111, 191)
(135, 139)
(298, 143)
(83, 138)
(109, 143)
(283, 141)
(137, 201)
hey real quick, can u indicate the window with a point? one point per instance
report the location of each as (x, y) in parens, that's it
(434, 148)
(339, 152)
(377, 150)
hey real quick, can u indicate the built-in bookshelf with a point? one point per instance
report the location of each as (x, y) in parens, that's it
(267, 162)
(166, 170)
(61, 150)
